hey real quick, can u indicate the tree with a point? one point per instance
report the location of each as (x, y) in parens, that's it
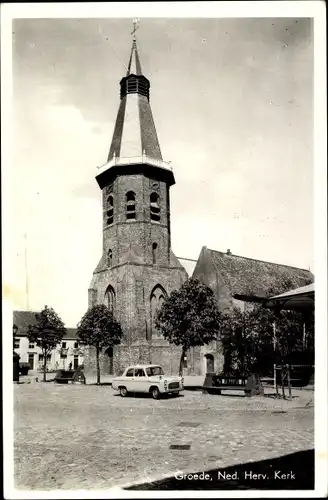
(247, 339)
(258, 338)
(47, 332)
(189, 317)
(99, 329)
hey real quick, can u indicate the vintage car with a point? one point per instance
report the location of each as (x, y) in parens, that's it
(148, 379)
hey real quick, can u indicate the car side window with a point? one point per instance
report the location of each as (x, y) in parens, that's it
(129, 373)
(140, 373)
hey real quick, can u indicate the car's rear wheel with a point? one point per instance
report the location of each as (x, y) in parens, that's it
(123, 392)
(155, 392)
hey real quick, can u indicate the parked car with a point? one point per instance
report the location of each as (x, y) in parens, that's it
(147, 379)
(24, 368)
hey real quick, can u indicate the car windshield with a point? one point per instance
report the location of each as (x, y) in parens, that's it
(154, 370)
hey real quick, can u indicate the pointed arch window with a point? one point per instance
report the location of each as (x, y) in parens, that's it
(154, 252)
(109, 258)
(110, 210)
(157, 297)
(155, 211)
(110, 299)
(130, 205)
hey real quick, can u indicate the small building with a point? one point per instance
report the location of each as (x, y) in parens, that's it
(68, 351)
(242, 282)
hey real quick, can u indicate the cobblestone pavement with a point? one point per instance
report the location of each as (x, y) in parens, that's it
(88, 437)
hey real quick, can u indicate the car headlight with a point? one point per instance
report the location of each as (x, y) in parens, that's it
(165, 384)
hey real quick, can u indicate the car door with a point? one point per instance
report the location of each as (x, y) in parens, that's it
(129, 380)
(140, 380)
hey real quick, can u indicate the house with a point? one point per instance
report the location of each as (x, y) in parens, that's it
(68, 351)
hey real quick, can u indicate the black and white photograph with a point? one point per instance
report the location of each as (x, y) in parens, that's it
(164, 256)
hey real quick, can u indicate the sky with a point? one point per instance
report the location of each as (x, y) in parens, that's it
(232, 101)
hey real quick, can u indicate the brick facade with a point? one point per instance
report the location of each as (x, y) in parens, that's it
(132, 276)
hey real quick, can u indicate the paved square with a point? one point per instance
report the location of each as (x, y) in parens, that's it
(88, 437)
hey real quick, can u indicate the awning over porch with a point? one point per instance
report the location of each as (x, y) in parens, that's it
(299, 299)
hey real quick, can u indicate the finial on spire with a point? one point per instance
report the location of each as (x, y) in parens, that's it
(135, 23)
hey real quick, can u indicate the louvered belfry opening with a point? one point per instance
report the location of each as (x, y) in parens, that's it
(135, 84)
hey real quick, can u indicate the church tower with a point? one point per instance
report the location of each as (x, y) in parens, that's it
(137, 269)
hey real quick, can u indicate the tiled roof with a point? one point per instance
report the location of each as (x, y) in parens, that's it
(257, 278)
(71, 334)
(24, 318)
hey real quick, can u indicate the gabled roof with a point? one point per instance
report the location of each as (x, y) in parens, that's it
(24, 318)
(248, 277)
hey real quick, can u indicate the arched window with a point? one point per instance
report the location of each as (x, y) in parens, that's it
(110, 210)
(130, 205)
(109, 258)
(154, 250)
(110, 299)
(157, 297)
(155, 210)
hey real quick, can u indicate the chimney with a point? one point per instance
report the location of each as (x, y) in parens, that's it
(229, 252)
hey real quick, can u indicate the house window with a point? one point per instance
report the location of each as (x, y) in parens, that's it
(131, 205)
(31, 345)
(16, 343)
(109, 258)
(110, 299)
(110, 210)
(41, 357)
(76, 345)
(154, 250)
(63, 345)
(154, 207)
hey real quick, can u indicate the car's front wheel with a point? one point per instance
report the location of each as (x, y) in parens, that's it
(155, 393)
(123, 392)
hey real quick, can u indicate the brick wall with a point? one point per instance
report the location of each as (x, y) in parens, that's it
(133, 274)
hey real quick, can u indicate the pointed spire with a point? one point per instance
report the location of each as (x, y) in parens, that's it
(134, 67)
(134, 133)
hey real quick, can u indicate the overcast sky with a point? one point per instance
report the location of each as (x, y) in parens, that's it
(232, 101)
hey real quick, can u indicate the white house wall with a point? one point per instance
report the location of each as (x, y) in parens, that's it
(56, 362)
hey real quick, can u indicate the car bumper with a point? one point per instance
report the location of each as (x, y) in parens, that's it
(169, 391)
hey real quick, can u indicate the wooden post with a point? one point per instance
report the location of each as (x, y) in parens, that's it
(283, 374)
(274, 336)
(288, 381)
(304, 336)
(275, 378)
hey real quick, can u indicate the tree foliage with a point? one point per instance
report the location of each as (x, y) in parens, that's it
(99, 329)
(189, 317)
(47, 332)
(258, 338)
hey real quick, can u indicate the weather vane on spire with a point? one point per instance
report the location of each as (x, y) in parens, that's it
(135, 22)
